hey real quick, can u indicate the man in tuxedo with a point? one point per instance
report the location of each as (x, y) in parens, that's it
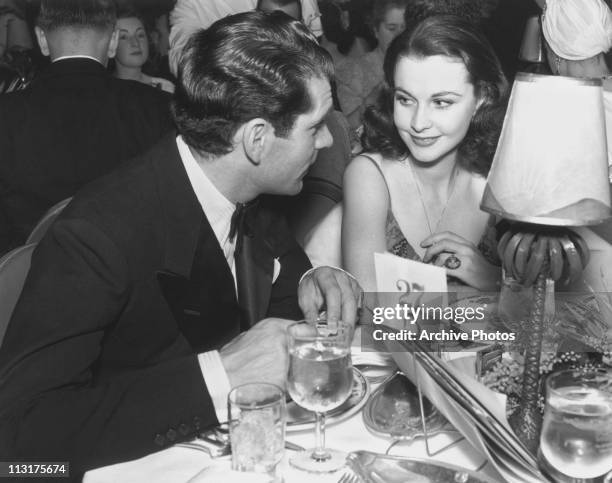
(171, 280)
(75, 122)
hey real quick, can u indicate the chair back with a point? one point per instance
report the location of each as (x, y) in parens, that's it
(46, 221)
(14, 267)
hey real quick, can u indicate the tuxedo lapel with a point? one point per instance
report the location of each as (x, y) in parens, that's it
(196, 280)
(204, 304)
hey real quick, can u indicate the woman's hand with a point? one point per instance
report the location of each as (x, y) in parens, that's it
(473, 270)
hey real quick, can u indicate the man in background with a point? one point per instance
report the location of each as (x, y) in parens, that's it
(75, 122)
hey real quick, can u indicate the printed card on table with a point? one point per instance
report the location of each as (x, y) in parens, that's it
(396, 275)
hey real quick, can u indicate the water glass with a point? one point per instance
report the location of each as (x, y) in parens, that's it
(257, 416)
(320, 379)
(576, 439)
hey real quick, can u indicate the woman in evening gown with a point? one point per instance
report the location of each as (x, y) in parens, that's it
(429, 143)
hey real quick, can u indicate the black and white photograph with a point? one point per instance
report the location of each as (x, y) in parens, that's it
(344, 241)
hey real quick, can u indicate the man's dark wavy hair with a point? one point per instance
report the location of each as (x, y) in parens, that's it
(245, 66)
(93, 14)
(454, 37)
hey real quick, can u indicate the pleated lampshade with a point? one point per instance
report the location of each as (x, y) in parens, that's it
(551, 164)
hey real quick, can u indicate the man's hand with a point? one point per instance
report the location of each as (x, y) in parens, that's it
(258, 355)
(333, 289)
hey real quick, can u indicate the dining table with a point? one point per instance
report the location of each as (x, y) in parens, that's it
(348, 432)
(181, 464)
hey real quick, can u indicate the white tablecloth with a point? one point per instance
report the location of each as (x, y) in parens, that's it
(179, 465)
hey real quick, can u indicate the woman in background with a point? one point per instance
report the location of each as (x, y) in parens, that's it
(359, 80)
(416, 190)
(133, 52)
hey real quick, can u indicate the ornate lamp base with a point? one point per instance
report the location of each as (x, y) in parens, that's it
(527, 420)
(531, 254)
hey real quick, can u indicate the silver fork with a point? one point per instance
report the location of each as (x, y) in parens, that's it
(349, 477)
(210, 450)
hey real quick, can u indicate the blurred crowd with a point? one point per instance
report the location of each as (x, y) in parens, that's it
(152, 34)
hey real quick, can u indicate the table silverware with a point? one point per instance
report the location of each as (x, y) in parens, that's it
(377, 468)
(348, 476)
(212, 450)
(215, 442)
(293, 447)
(221, 433)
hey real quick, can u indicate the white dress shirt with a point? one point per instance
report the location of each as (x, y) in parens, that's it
(189, 16)
(218, 210)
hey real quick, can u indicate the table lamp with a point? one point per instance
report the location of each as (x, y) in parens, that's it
(549, 173)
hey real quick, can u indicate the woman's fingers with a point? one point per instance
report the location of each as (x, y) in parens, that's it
(471, 267)
(442, 236)
(444, 246)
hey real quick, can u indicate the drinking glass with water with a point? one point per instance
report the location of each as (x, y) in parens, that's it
(576, 439)
(320, 379)
(257, 414)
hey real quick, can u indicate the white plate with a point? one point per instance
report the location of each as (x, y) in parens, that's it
(300, 419)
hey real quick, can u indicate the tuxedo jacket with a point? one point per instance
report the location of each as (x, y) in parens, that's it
(74, 123)
(99, 362)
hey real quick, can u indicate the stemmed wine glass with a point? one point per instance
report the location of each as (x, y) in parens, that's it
(320, 379)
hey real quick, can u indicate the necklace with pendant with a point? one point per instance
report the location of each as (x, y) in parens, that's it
(420, 193)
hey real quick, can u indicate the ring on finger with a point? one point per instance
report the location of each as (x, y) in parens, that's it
(453, 262)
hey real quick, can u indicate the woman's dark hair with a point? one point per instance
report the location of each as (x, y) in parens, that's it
(454, 37)
(129, 11)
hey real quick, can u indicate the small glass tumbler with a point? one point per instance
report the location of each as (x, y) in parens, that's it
(576, 438)
(257, 416)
